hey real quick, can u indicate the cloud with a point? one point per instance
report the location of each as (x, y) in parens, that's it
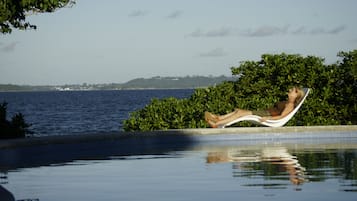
(226, 32)
(138, 13)
(299, 30)
(336, 30)
(319, 30)
(9, 47)
(222, 32)
(217, 52)
(265, 31)
(175, 14)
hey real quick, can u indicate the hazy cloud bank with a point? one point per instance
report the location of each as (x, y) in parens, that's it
(138, 13)
(319, 30)
(265, 31)
(8, 47)
(217, 52)
(175, 14)
(222, 32)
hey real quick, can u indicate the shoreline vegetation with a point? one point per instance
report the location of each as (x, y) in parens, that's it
(157, 82)
(258, 85)
(14, 128)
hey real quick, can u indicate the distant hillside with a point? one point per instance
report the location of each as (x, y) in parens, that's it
(175, 82)
(139, 83)
(12, 87)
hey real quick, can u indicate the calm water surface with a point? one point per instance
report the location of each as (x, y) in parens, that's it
(219, 171)
(80, 112)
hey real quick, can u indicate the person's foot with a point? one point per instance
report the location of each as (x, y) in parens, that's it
(211, 117)
(212, 124)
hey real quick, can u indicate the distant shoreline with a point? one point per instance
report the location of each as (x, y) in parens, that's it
(154, 83)
(126, 89)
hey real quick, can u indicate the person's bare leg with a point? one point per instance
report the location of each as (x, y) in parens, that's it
(220, 117)
(238, 113)
(215, 117)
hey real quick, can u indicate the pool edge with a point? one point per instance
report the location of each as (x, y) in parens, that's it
(198, 133)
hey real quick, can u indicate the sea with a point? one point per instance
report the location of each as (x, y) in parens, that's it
(81, 112)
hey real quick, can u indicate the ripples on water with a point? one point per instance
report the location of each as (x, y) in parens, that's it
(76, 112)
(258, 172)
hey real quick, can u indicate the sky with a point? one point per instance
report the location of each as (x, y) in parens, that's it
(114, 41)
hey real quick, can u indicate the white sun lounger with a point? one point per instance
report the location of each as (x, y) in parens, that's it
(271, 123)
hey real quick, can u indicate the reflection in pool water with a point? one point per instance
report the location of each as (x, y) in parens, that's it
(203, 172)
(270, 167)
(273, 159)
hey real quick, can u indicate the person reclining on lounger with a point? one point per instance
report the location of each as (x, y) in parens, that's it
(280, 110)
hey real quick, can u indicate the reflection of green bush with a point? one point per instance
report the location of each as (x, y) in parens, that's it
(320, 164)
(16, 128)
(260, 84)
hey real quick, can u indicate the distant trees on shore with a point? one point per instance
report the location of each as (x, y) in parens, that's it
(158, 82)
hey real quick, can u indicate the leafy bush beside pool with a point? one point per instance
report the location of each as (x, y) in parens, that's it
(260, 84)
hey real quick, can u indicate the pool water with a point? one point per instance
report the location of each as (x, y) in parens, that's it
(231, 170)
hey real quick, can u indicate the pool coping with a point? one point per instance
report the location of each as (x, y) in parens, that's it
(255, 130)
(197, 134)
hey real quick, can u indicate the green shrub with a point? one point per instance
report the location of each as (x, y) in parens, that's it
(259, 85)
(16, 128)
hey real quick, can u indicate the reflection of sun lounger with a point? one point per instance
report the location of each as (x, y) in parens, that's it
(281, 156)
(244, 162)
(271, 123)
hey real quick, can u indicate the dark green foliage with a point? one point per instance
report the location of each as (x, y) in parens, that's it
(16, 128)
(259, 85)
(13, 12)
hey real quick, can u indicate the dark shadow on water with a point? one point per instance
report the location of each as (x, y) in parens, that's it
(84, 150)
(63, 149)
(6, 195)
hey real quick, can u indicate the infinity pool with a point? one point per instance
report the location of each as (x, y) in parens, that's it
(233, 169)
